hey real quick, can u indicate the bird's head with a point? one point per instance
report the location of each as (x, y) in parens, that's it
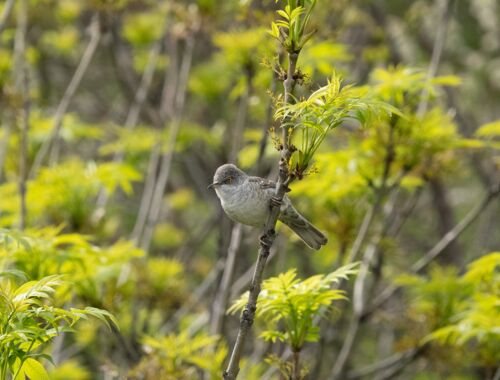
(227, 177)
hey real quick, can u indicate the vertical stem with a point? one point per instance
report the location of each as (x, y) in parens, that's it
(269, 235)
(296, 365)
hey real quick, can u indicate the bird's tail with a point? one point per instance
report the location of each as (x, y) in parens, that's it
(309, 234)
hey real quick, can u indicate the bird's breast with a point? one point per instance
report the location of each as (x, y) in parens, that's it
(247, 205)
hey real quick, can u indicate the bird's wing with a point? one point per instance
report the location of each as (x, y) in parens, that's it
(264, 183)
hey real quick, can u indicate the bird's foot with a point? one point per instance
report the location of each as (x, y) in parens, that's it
(275, 202)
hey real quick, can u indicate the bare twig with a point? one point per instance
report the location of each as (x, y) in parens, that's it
(268, 236)
(51, 141)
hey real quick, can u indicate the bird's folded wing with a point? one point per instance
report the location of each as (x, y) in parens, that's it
(264, 183)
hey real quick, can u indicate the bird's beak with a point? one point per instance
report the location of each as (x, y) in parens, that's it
(212, 185)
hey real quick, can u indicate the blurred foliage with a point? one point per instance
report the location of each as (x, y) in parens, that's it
(460, 312)
(181, 356)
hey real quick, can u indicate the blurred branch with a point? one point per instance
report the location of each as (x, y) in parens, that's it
(166, 159)
(22, 82)
(197, 296)
(385, 363)
(7, 9)
(4, 143)
(220, 303)
(135, 110)
(268, 123)
(52, 139)
(442, 26)
(435, 251)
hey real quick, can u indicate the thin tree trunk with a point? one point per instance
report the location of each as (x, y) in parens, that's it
(52, 139)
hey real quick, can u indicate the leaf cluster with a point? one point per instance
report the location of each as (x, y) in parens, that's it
(28, 322)
(295, 304)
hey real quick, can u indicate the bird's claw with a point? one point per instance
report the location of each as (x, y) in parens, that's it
(275, 202)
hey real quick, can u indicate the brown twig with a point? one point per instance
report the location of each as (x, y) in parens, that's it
(269, 234)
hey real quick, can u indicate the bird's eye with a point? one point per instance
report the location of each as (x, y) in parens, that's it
(229, 180)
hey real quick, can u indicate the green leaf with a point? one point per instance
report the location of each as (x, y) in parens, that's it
(31, 369)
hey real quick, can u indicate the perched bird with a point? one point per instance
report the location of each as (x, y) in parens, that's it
(247, 199)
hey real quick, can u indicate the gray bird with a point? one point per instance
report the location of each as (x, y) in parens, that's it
(246, 200)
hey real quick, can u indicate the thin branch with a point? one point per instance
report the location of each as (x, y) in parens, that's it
(147, 193)
(220, 303)
(246, 278)
(7, 9)
(51, 141)
(4, 143)
(296, 365)
(269, 234)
